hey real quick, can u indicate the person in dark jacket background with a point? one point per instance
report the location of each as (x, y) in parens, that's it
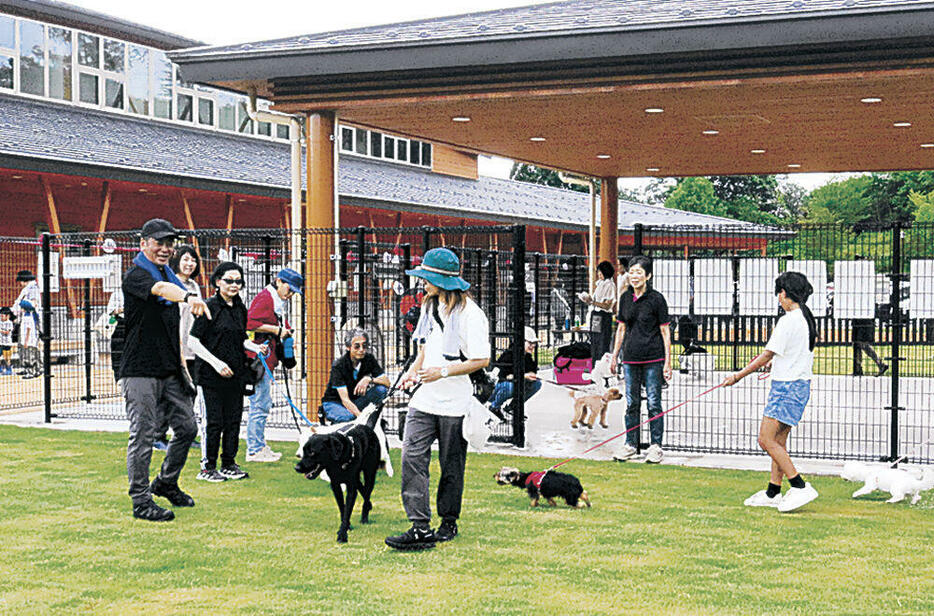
(505, 387)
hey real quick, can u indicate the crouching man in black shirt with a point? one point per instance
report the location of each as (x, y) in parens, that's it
(153, 377)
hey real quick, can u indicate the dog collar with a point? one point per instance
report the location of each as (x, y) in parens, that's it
(353, 449)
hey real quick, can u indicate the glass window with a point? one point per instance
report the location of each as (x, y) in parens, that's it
(113, 93)
(113, 56)
(185, 105)
(87, 88)
(282, 131)
(162, 84)
(7, 38)
(31, 58)
(264, 128)
(426, 154)
(415, 152)
(244, 123)
(376, 144)
(360, 139)
(6, 72)
(137, 87)
(226, 112)
(389, 147)
(347, 139)
(60, 63)
(89, 53)
(206, 111)
(402, 150)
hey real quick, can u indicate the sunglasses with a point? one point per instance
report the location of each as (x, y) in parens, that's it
(236, 281)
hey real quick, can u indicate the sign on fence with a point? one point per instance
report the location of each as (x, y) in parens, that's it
(921, 298)
(713, 286)
(854, 285)
(816, 272)
(757, 286)
(672, 278)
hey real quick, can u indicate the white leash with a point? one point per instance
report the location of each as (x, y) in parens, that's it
(910, 451)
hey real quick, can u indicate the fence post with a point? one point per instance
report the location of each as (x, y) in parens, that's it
(267, 255)
(361, 277)
(573, 298)
(87, 330)
(518, 335)
(47, 326)
(537, 282)
(342, 274)
(896, 335)
(637, 238)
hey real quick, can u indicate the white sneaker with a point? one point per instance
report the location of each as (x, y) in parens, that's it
(654, 454)
(796, 498)
(263, 455)
(625, 452)
(761, 499)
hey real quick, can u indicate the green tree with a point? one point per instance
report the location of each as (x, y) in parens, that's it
(924, 206)
(695, 194)
(839, 202)
(888, 195)
(523, 172)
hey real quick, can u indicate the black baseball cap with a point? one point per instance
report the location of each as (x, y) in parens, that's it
(158, 229)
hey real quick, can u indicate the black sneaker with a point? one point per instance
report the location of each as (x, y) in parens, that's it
(447, 531)
(211, 475)
(171, 492)
(413, 539)
(234, 472)
(152, 512)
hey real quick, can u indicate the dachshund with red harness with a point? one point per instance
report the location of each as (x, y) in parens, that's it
(546, 484)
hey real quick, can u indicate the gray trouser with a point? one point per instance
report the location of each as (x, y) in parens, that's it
(148, 400)
(421, 430)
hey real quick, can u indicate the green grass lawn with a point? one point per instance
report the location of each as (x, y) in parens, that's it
(659, 540)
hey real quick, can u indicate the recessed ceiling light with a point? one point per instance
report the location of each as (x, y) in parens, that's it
(869, 100)
(794, 166)
(654, 110)
(603, 156)
(84, 183)
(927, 145)
(901, 124)
(460, 119)
(17, 177)
(652, 169)
(710, 132)
(757, 151)
(241, 200)
(537, 139)
(143, 190)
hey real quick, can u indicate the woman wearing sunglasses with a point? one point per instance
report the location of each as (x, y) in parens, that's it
(356, 380)
(220, 344)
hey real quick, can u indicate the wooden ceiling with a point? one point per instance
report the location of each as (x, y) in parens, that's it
(815, 120)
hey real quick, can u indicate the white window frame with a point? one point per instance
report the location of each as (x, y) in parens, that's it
(14, 53)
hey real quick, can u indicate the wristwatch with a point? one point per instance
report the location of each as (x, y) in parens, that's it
(187, 295)
(444, 372)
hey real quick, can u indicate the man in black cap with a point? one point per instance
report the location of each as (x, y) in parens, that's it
(152, 374)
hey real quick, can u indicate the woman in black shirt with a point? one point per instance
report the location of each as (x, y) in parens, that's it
(645, 338)
(222, 369)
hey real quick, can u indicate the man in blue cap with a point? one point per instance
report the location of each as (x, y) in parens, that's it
(453, 335)
(268, 319)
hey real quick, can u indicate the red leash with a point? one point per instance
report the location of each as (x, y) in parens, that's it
(613, 438)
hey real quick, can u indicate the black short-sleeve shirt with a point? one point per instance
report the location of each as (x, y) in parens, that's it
(152, 347)
(342, 375)
(223, 335)
(643, 318)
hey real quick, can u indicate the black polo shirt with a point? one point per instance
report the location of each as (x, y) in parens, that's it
(342, 375)
(223, 335)
(505, 364)
(643, 318)
(152, 347)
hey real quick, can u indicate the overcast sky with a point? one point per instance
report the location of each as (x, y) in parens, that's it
(221, 22)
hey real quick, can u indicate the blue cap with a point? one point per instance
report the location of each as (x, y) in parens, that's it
(292, 278)
(442, 268)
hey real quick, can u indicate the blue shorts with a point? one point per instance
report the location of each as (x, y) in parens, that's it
(787, 400)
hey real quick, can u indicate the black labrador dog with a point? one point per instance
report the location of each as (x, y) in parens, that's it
(345, 455)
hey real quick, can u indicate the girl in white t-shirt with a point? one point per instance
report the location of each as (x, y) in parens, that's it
(791, 351)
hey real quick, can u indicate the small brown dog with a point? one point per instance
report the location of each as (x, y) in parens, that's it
(594, 405)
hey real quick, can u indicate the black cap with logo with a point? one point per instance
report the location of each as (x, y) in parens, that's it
(158, 229)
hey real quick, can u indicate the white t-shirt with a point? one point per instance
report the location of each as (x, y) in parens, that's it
(6, 333)
(451, 396)
(605, 291)
(793, 359)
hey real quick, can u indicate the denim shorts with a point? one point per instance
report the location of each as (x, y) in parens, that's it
(787, 400)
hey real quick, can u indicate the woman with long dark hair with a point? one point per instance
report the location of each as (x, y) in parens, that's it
(644, 336)
(791, 351)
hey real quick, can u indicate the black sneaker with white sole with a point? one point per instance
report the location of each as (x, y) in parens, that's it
(416, 538)
(446, 531)
(234, 472)
(151, 512)
(172, 492)
(212, 475)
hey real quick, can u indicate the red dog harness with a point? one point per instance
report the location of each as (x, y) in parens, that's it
(535, 479)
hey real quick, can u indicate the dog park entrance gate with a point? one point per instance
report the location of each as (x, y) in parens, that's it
(366, 287)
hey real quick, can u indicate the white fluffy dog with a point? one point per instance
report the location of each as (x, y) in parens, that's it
(365, 417)
(896, 481)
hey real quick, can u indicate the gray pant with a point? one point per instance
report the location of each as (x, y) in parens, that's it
(421, 430)
(148, 400)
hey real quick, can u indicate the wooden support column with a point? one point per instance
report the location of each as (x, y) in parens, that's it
(321, 183)
(56, 228)
(230, 214)
(609, 221)
(194, 238)
(105, 212)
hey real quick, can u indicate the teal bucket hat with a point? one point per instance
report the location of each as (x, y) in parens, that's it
(442, 268)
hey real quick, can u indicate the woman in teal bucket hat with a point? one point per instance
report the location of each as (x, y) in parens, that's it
(451, 326)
